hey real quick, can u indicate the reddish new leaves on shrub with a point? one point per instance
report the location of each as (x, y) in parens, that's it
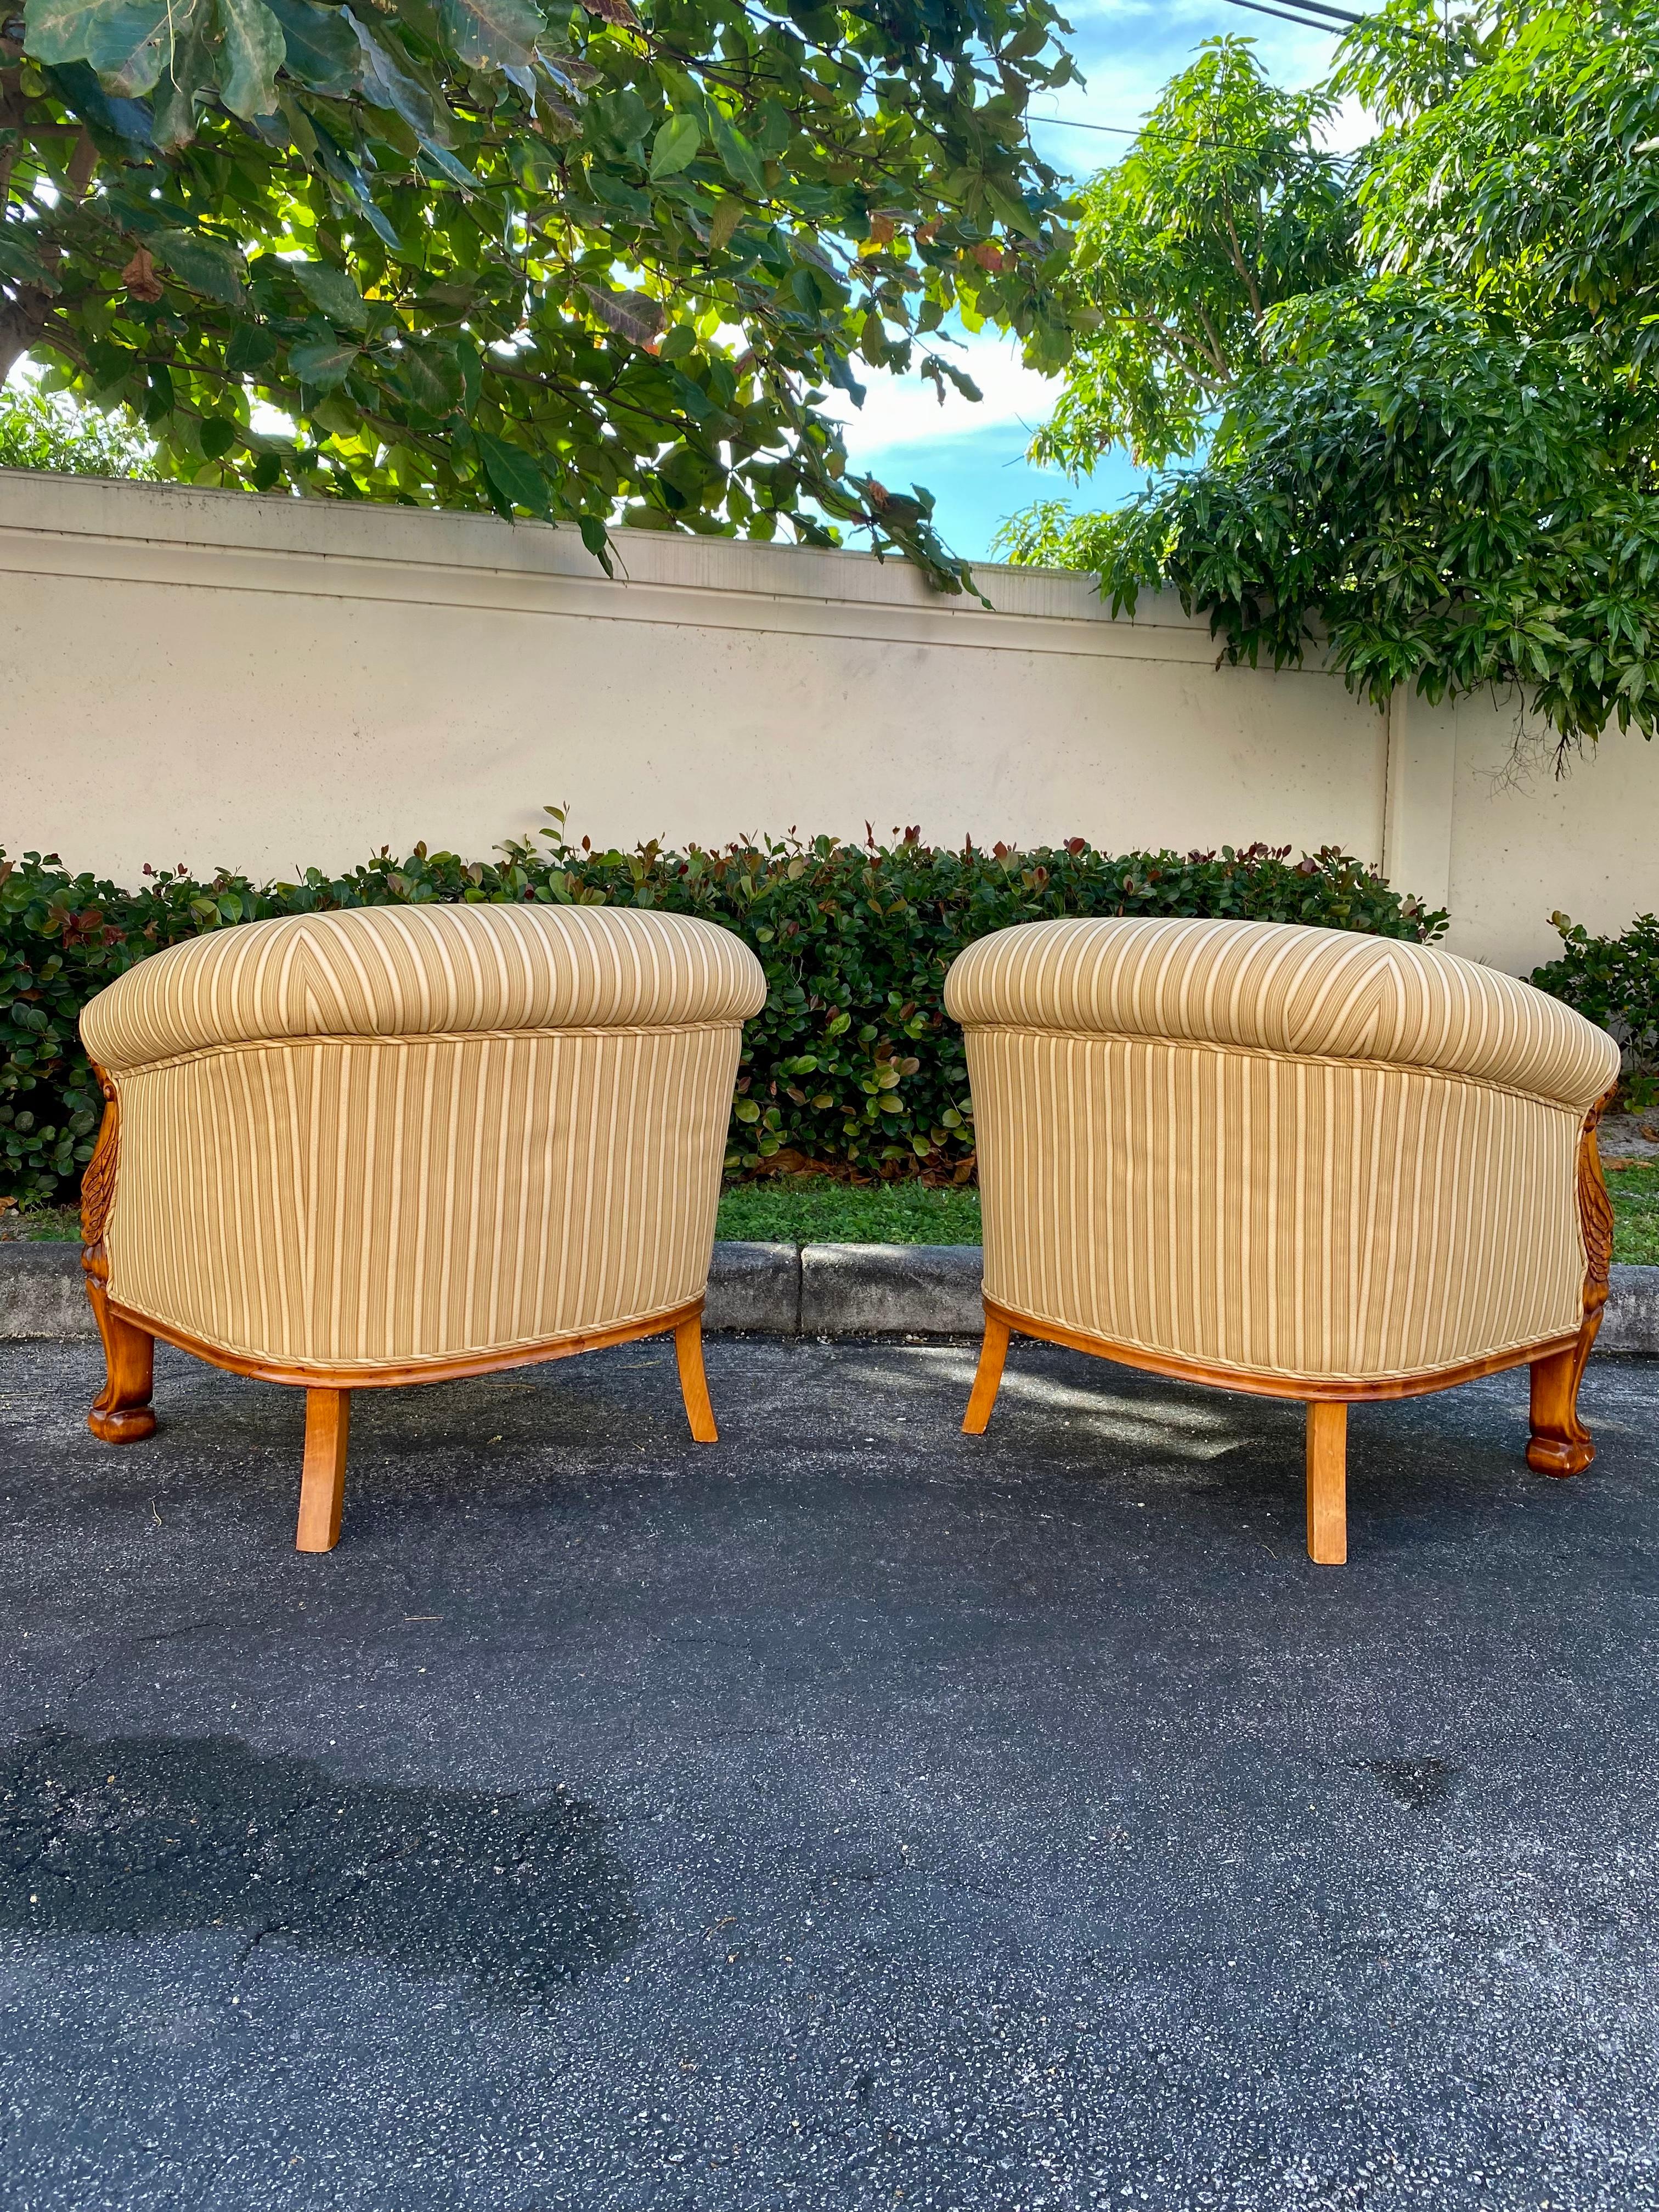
(851, 1062)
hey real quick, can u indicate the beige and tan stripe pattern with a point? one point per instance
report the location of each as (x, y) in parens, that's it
(377, 1199)
(1271, 988)
(1347, 1213)
(421, 971)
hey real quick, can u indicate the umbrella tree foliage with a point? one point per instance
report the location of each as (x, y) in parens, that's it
(609, 259)
(1419, 387)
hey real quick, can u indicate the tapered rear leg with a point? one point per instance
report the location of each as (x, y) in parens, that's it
(1559, 1443)
(122, 1413)
(992, 1351)
(322, 1480)
(694, 1382)
(1327, 1483)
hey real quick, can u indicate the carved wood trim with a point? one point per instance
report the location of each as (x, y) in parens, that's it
(1595, 1212)
(316, 1376)
(98, 1185)
(1309, 1390)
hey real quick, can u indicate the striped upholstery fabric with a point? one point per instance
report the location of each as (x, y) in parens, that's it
(421, 970)
(1295, 1153)
(405, 1135)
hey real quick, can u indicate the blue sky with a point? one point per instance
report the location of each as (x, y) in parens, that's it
(973, 458)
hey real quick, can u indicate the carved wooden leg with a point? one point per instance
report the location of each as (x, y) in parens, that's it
(1327, 1483)
(989, 1379)
(694, 1383)
(322, 1482)
(122, 1414)
(1560, 1443)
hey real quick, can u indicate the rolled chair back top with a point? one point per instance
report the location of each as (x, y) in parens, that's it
(424, 970)
(1280, 987)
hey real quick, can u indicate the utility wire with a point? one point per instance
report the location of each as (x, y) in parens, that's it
(1304, 22)
(1123, 131)
(1066, 123)
(1319, 8)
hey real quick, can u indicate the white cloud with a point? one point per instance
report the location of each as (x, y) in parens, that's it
(905, 411)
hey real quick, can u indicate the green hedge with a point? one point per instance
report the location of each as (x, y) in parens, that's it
(1615, 982)
(852, 1060)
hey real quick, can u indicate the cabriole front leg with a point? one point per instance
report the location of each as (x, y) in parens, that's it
(1559, 1443)
(122, 1413)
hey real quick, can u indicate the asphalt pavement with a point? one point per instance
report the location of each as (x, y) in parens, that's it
(850, 1814)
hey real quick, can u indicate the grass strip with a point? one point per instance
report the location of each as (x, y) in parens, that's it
(1634, 1186)
(822, 1210)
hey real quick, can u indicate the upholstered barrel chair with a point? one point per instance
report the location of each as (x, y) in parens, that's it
(1292, 1161)
(403, 1144)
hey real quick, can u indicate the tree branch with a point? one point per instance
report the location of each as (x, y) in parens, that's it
(1243, 268)
(1218, 352)
(82, 161)
(22, 326)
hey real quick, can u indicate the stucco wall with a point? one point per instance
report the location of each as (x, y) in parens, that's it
(265, 684)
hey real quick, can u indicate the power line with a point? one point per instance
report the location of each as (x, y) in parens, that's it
(1302, 22)
(1319, 8)
(1145, 131)
(1066, 123)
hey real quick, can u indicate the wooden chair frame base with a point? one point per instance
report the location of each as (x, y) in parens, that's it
(1558, 1443)
(123, 1414)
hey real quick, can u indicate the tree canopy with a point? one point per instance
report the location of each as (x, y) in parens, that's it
(1426, 433)
(604, 261)
(38, 431)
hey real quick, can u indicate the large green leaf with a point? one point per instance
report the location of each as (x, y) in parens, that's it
(321, 49)
(321, 364)
(486, 31)
(252, 54)
(333, 291)
(742, 163)
(19, 259)
(188, 70)
(206, 265)
(429, 378)
(64, 30)
(516, 478)
(127, 45)
(392, 79)
(677, 145)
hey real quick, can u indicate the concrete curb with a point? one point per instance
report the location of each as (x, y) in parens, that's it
(884, 1289)
(1629, 1321)
(755, 1286)
(42, 1292)
(773, 1290)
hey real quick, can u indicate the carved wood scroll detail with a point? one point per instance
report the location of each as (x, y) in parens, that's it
(98, 1185)
(1595, 1212)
